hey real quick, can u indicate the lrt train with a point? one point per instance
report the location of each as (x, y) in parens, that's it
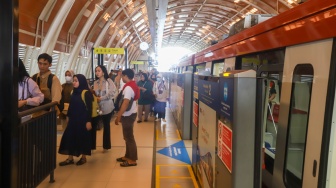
(295, 53)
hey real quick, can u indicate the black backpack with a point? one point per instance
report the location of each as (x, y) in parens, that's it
(119, 102)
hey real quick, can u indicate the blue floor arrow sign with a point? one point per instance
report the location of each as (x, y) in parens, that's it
(176, 151)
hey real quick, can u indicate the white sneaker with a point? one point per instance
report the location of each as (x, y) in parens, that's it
(164, 120)
(158, 119)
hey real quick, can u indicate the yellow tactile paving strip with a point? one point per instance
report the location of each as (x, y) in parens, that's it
(170, 172)
(166, 136)
(175, 176)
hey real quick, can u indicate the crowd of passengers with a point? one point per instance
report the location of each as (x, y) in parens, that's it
(85, 108)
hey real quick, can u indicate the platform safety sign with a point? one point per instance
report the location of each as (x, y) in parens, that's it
(176, 151)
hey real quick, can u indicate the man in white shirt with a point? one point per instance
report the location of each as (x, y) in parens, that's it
(130, 93)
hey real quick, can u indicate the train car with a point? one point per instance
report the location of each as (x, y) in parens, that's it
(294, 56)
(185, 64)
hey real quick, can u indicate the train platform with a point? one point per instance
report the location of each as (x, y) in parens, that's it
(164, 160)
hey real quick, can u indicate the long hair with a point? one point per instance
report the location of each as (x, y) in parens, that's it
(145, 76)
(103, 68)
(22, 71)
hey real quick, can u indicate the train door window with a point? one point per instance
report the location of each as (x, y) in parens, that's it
(298, 124)
(271, 93)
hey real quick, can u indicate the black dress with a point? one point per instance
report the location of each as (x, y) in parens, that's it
(76, 139)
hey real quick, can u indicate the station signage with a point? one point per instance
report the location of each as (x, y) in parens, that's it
(195, 113)
(208, 93)
(225, 145)
(195, 86)
(109, 50)
(137, 62)
(226, 92)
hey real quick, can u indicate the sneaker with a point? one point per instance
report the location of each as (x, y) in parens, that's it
(158, 119)
(66, 162)
(139, 121)
(81, 161)
(164, 120)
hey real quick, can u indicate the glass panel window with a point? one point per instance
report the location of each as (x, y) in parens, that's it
(271, 106)
(218, 68)
(298, 124)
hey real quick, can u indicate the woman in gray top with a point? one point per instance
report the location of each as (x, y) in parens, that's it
(105, 91)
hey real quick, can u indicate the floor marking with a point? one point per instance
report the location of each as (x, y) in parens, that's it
(176, 151)
(176, 185)
(164, 137)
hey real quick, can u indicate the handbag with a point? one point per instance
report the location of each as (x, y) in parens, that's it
(148, 95)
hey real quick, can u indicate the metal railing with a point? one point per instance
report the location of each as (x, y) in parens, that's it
(37, 145)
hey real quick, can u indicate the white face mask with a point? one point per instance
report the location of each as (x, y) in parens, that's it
(158, 79)
(68, 79)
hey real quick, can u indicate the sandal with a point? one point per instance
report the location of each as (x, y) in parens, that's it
(120, 159)
(127, 164)
(81, 161)
(66, 162)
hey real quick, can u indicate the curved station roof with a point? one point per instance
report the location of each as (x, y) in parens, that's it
(76, 26)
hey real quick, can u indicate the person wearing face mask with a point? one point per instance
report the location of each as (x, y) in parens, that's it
(160, 91)
(67, 87)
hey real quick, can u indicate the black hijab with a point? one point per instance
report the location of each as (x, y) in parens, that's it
(82, 84)
(145, 76)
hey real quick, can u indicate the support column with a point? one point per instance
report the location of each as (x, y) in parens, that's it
(75, 50)
(126, 58)
(97, 43)
(9, 9)
(50, 40)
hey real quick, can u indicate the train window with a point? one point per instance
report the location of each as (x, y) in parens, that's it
(298, 123)
(254, 61)
(218, 68)
(189, 68)
(200, 68)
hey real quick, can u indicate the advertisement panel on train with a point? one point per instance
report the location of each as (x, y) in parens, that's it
(208, 106)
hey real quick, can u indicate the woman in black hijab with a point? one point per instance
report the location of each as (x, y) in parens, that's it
(146, 97)
(76, 139)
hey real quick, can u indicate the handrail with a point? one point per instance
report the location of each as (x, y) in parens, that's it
(37, 109)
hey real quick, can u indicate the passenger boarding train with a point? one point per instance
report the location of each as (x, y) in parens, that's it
(296, 53)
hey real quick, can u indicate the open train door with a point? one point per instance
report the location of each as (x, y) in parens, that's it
(302, 114)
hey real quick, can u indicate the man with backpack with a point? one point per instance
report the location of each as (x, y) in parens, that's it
(48, 83)
(127, 115)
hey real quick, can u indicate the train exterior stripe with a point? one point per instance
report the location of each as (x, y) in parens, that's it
(304, 23)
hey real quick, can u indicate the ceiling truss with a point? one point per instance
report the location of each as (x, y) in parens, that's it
(194, 24)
